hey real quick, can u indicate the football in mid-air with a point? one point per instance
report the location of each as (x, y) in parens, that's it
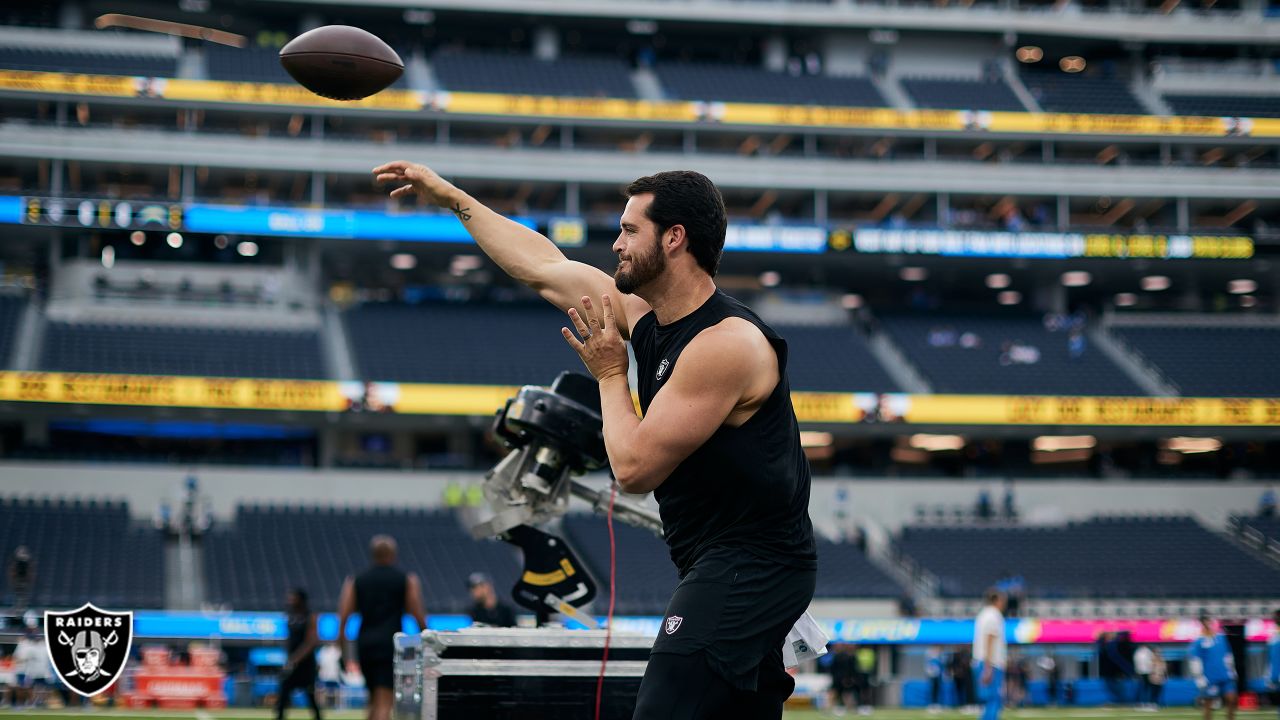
(341, 62)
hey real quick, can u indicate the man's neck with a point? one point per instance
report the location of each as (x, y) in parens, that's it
(680, 295)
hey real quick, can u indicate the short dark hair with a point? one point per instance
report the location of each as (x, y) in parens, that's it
(992, 595)
(688, 198)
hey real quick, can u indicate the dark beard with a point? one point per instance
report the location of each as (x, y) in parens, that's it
(644, 270)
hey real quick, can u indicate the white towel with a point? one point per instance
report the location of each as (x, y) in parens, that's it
(805, 641)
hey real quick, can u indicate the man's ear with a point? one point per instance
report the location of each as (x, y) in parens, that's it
(674, 237)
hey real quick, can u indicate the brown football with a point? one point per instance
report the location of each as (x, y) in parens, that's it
(341, 62)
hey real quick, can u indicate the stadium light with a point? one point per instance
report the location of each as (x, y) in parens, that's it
(998, 281)
(936, 443)
(1190, 445)
(1248, 301)
(1076, 278)
(770, 278)
(137, 237)
(174, 239)
(1243, 286)
(1126, 299)
(248, 248)
(913, 273)
(1009, 297)
(1072, 64)
(404, 261)
(1029, 54)
(1054, 443)
(108, 257)
(851, 301)
(220, 242)
(1155, 283)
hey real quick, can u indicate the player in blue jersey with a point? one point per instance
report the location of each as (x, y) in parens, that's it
(1273, 660)
(1214, 668)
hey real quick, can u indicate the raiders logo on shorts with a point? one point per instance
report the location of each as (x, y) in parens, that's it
(88, 646)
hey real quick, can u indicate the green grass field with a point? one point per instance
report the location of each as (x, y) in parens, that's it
(296, 714)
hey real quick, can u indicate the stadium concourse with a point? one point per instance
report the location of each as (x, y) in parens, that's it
(1025, 266)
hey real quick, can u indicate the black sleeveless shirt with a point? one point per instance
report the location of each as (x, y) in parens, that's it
(380, 592)
(746, 487)
(298, 624)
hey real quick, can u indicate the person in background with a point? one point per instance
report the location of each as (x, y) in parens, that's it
(1214, 668)
(485, 608)
(382, 595)
(933, 669)
(28, 660)
(1267, 503)
(299, 671)
(990, 653)
(962, 676)
(844, 683)
(1159, 676)
(1273, 660)
(1049, 667)
(329, 660)
(866, 661)
(22, 576)
(1142, 662)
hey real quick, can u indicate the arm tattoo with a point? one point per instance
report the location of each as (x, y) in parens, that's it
(463, 214)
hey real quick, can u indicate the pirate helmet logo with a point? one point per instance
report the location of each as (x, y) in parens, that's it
(88, 646)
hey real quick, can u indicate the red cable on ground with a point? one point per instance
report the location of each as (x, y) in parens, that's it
(613, 571)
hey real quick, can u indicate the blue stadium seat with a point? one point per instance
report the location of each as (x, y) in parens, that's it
(1087, 92)
(157, 350)
(735, 83)
(1225, 105)
(83, 554)
(92, 62)
(1108, 557)
(511, 344)
(824, 358)
(952, 368)
(961, 94)
(11, 309)
(266, 551)
(1211, 361)
(488, 72)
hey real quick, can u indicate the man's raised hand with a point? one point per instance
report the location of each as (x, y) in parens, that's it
(601, 348)
(415, 179)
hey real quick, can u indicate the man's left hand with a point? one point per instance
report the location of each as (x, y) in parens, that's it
(601, 348)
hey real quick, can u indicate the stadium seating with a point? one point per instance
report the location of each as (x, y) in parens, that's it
(1086, 92)
(1211, 361)
(646, 577)
(959, 94)
(155, 350)
(832, 358)
(251, 64)
(1156, 557)
(10, 315)
(85, 61)
(1268, 526)
(475, 71)
(733, 83)
(952, 368)
(1225, 105)
(451, 343)
(268, 550)
(85, 550)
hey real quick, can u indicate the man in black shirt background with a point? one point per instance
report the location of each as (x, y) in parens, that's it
(718, 443)
(485, 609)
(382, 595)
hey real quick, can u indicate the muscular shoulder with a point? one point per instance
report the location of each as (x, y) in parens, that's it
(734, 342)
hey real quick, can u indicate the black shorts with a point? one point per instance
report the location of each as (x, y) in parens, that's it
(378, 672)
(737, 609)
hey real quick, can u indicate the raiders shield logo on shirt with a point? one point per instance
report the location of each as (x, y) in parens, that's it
(88, 646)
(673, 624)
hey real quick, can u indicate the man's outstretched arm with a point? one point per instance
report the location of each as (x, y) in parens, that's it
(524, 254)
